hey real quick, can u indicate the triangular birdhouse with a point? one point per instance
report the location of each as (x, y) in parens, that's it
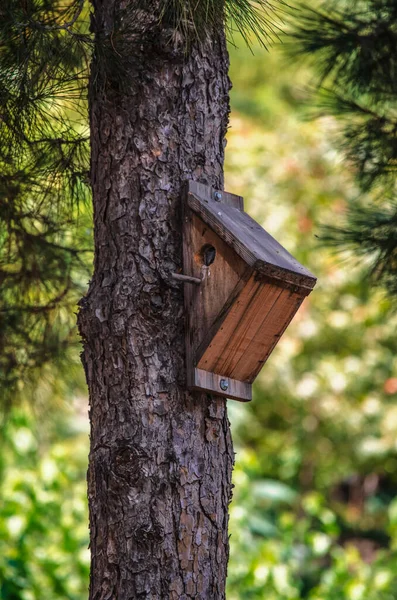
(242, 290)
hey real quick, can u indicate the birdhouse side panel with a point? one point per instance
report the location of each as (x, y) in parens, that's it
(259, 346)
(205, 303)
(225, 347)
(250, 241)
(251, 330)
(257, 309)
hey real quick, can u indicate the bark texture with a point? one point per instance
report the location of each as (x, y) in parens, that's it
(161, 459)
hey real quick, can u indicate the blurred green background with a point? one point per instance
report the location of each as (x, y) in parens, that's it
(314, 513)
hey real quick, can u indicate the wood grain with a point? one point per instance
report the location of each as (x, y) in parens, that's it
(250, 331)
(210, 355)
(205, 304)
(207, 193)
(258, 346)
(247, 297)
(211, 382)
(250, 241)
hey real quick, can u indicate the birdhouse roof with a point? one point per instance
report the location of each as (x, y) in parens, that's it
(223, 213)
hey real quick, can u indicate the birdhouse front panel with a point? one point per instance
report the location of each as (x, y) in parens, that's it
(217, 265)
(250, 331)
(248, 288)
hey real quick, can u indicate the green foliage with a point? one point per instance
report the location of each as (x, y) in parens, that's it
(353, 50)
(45, 225)
(351, 44)
(323, 415)
(43, 513)
(45, 229)
(314, 513)
(370, 232)
(194, 18)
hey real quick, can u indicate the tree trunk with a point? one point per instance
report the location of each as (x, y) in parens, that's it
(161, 459)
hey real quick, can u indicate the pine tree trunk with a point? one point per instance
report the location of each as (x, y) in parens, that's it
(161, 459)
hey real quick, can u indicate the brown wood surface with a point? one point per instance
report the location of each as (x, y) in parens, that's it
(247, 297)
(241, 333)
(211, 382)
(207, 193)
(265, 338)
(210, 351)
(250, 331)
(220, 282)
(250, 241)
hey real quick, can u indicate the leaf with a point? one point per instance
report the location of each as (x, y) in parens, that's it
(275, 491)
(262, 526)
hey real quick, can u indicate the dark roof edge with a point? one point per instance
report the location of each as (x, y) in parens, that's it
(307, 281)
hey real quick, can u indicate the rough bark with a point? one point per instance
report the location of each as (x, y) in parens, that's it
(160, 466)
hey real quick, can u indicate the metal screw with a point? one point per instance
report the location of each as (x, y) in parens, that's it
(218, 196)
(224, 384)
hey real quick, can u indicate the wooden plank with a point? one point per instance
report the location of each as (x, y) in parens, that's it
(217, 280)
(276, 339)
(211, 382)
(247, 330)
(250, 332)
(220, 282)
(208, 193)
(250, 241)
(259, 344)
(231, 303)
(209, 356)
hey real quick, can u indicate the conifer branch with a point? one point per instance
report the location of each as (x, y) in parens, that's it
(45, 50)
(353, 50)
(196, 18)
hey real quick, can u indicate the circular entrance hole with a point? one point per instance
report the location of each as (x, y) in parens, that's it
(207, 254)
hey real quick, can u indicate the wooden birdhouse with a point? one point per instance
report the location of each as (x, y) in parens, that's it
(242, 288)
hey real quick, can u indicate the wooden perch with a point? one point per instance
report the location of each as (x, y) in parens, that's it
(186, 278)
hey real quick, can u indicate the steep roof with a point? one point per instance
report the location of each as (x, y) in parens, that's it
(223, 213)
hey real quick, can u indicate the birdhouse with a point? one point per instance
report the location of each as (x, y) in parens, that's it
(242, 288)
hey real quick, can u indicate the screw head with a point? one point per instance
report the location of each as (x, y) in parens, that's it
(224, 384)
(218, 196)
